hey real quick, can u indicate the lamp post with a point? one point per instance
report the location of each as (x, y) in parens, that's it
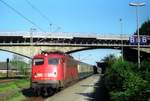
(137, 4)
(50, 25)
(121, 37)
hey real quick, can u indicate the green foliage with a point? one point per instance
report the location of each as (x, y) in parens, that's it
(145, 65)
(109, 60)
(145, 28)
(144, 71)
(11, 90)
(21, 66)
(124, 84)
(115, 75)
(17, 84)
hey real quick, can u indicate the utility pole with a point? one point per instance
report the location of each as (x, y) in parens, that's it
(31, 35)
(31, 43)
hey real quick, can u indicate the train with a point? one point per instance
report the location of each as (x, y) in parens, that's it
(53, 70)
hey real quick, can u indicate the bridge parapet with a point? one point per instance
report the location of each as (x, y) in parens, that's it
(64, 34)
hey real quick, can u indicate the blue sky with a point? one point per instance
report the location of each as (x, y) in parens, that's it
(84, 16)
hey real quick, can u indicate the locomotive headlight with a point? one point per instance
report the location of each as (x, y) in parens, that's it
(46, 54)
(53, 74)
(38, 75)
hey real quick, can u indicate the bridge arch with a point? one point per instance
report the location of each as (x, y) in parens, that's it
(29, 51)
(91, 48)
(15, 53)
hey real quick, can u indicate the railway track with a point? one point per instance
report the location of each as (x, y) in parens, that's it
(10, 79)
(34, 99)
(6, 80)
(31, 96)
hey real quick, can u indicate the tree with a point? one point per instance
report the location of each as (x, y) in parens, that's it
(145, 28)
(19, 63)
(109, 59)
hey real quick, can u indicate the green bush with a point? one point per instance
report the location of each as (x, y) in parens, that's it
(115, 76)
(113, 80)
(144, 71)
(124, 84)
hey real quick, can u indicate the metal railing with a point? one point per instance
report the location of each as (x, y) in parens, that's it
(64, 34)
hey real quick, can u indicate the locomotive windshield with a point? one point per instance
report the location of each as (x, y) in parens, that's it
(53, 61)
(38, 61)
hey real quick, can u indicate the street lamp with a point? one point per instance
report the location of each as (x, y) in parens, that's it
(50, 27)
(137, 4)
(121, 30)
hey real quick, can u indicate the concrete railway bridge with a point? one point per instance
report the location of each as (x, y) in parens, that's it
(28, 44)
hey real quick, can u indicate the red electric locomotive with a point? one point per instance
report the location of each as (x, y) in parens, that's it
(52, 70)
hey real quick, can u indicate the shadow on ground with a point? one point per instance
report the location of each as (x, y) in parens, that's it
(100, 93)
(28, 92)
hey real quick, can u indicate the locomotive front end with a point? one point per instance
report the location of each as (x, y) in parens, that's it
(45, 69)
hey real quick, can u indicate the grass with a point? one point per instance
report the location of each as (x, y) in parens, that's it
(12, 90)
(17, 97)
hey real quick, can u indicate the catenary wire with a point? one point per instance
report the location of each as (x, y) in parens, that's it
(44, 17)
(20, 14)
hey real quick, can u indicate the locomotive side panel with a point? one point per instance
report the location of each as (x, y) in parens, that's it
(70, 70)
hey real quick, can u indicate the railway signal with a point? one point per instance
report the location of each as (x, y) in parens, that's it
(7, 66)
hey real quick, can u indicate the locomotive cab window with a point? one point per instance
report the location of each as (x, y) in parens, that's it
(38, 61)
(53, 61)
